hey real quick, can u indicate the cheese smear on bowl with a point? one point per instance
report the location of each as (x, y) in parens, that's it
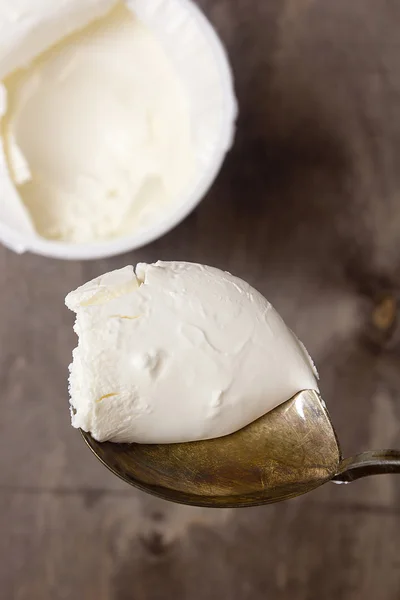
(96, 130)
(178, 352)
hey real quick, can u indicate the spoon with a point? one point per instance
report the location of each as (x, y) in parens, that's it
(286, 453)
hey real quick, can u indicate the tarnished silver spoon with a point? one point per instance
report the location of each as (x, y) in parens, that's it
(288, 452)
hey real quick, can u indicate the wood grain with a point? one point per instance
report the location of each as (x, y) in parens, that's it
(307, 209)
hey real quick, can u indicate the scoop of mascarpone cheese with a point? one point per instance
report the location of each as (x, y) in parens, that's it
(178, 352)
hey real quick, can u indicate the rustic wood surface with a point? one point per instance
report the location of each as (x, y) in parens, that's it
(307, 209)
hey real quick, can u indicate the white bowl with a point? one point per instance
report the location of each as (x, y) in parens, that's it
(200, 58)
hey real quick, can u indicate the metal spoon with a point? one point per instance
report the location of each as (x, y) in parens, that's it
(288, 452)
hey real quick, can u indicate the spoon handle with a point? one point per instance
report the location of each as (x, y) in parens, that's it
(374, 462)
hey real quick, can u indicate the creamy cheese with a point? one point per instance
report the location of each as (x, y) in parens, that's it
(96, 130)
(178, 352)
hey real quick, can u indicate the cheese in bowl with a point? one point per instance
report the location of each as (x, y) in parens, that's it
(115, 118)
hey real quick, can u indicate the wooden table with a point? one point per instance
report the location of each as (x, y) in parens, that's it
(307, 209)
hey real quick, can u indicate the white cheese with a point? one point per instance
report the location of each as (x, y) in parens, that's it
(34, 37)
(97, 130)
(178, 352)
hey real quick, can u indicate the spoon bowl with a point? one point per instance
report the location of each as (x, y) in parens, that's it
(287, 452)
